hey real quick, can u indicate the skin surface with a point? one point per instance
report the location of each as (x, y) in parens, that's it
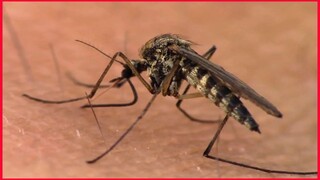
(270, 46)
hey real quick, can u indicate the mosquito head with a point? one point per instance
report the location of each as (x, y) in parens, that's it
(140, 66)
(127, 73)
(157, 45)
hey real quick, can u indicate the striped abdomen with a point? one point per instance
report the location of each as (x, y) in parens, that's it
(221, 95)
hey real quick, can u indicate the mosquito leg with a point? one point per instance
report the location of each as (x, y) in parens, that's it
(190, 96)
(210, 52)
(165, 88)
(92, 93)
(136, 73)
(126, 132)
(206, 55)
(208, 149)
(135, 99)
(77, 82)
(167, 80)
(94, 90)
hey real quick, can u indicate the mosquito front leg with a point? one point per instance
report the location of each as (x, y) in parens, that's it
(127, 75)
(167, 80)
(126, 132)
(79, 83)
(92, 93)
(135, 99)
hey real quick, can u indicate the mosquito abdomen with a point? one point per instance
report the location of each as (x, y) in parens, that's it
(220, 95)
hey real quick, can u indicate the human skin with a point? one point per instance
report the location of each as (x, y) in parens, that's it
(270, 46)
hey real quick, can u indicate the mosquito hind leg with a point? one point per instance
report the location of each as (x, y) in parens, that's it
(214, 139)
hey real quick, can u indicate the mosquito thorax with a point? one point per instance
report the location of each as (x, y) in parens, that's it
(160, 58)
(159, 44)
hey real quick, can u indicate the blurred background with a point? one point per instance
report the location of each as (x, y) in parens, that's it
(270, 46)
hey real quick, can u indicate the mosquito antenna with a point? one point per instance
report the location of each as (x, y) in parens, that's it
(95, 117)
(99, 51)
(135, 99)
(126, 132)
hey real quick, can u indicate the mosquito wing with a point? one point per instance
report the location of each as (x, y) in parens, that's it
(231, 81)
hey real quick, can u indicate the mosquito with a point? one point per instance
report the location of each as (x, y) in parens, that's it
(169, 60)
